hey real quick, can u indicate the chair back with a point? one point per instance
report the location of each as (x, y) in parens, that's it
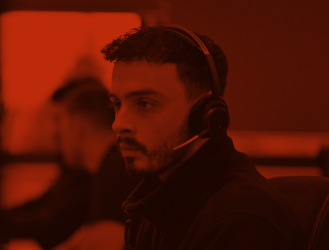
(309, 197)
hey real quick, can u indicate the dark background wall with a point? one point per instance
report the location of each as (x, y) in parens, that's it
(277, 53)
(278, 59)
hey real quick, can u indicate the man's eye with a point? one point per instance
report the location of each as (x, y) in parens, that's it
(115, 105)
(144, 104)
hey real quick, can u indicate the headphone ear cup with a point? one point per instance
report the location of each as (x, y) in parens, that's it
(216, 117)
(209, 114)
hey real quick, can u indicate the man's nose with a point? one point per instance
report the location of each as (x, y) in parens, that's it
(123, 122)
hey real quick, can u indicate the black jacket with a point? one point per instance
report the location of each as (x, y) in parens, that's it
(215, 200)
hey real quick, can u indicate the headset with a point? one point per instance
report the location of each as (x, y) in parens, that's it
(209, 116)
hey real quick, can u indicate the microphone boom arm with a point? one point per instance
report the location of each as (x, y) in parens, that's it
(191, 140)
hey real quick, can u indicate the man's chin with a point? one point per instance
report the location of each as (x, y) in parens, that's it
(137, 169)
(141, 167)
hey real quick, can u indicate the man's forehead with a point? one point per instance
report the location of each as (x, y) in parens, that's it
(144, 70)
(141, 77)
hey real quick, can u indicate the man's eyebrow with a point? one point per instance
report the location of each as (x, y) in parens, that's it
(143, 92)
(138, 93)
(112, 95)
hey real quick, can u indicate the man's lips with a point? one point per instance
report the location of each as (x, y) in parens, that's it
(128, 145)
(124, 146)
(127, 150)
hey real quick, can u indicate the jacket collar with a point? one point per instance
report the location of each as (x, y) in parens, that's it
(173, 204)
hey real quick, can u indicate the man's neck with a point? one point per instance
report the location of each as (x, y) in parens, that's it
(194, 147)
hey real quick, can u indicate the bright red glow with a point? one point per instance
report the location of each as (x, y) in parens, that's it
(40, 49)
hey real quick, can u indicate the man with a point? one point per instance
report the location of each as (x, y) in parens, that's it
(83, 208)
(204, 195)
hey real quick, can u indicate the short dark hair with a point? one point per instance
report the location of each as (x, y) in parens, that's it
(86, 97)
(160, 45)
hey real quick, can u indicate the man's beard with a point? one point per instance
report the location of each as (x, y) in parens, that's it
(159, 159)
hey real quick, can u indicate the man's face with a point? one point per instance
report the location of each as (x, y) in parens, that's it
(151, 115)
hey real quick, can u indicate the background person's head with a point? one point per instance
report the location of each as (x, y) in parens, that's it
(157, 78)
(85, 123)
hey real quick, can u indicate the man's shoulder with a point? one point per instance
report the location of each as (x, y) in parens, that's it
(247, 191)
(244, 200)
(244, 189)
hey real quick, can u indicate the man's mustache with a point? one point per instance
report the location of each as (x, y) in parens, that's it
(131, 142)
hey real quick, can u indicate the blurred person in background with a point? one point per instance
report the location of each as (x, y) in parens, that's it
(83, 208)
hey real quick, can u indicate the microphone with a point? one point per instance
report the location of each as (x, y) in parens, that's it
(192, 139)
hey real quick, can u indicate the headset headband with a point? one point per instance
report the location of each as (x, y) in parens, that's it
(195, 41)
